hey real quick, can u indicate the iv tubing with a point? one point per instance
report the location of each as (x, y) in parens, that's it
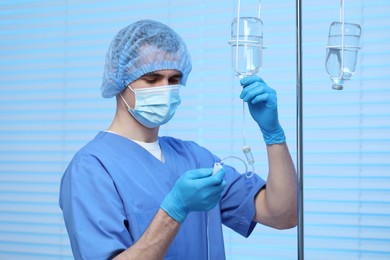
(237, 31)
(342, 37)
(244, 124)
(259, 13)
(299, 131)
(247, 151)
(241, 160)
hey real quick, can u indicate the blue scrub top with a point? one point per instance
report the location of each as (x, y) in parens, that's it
(113, 188)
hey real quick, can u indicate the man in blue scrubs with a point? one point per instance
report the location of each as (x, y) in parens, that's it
(132, 194)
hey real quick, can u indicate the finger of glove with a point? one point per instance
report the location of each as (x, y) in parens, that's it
(206, 197)
(223, 184)
(256, 88)
(215, 179)
(267, 99)
(219, 176)
(212, 203)
(199, 173)
(256, 95)
(216, 189)
(250, 79)
(210, 196)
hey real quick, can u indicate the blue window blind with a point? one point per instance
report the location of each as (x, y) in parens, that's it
(52, 57)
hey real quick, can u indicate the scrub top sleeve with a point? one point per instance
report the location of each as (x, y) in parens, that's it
(92, 210)
(238, 202)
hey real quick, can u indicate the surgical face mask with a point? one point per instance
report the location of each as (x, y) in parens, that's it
(154, 106)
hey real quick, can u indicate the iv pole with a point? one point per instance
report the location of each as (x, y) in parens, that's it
(299, 130)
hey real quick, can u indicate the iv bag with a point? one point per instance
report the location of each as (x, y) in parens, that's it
(247, 45)
(341, 53)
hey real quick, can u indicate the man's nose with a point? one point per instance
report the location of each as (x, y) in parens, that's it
(163, 82)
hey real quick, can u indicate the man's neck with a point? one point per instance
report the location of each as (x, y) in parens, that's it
(125, 125)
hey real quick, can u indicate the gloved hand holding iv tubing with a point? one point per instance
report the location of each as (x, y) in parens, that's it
(195, 190)
(262, 103)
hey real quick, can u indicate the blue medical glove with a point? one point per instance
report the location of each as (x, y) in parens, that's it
(195, 190)
(263, 107)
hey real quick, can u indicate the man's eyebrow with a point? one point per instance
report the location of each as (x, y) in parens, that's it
(179, 75)
(151, 75)
(158, 75)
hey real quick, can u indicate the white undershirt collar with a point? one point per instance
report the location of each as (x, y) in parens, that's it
(153, 148)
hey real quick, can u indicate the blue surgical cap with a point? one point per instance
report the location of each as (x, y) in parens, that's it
(140, 48)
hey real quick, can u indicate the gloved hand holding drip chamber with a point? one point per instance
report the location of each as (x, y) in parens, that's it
(195, 190)
(262, 103)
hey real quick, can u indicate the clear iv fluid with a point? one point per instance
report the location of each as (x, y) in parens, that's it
(341, 52)
(246, 45)
(248, 59)
(334, 58)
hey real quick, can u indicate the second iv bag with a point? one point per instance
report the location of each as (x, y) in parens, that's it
(341, 53)
(247, 45)
(342, 50)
